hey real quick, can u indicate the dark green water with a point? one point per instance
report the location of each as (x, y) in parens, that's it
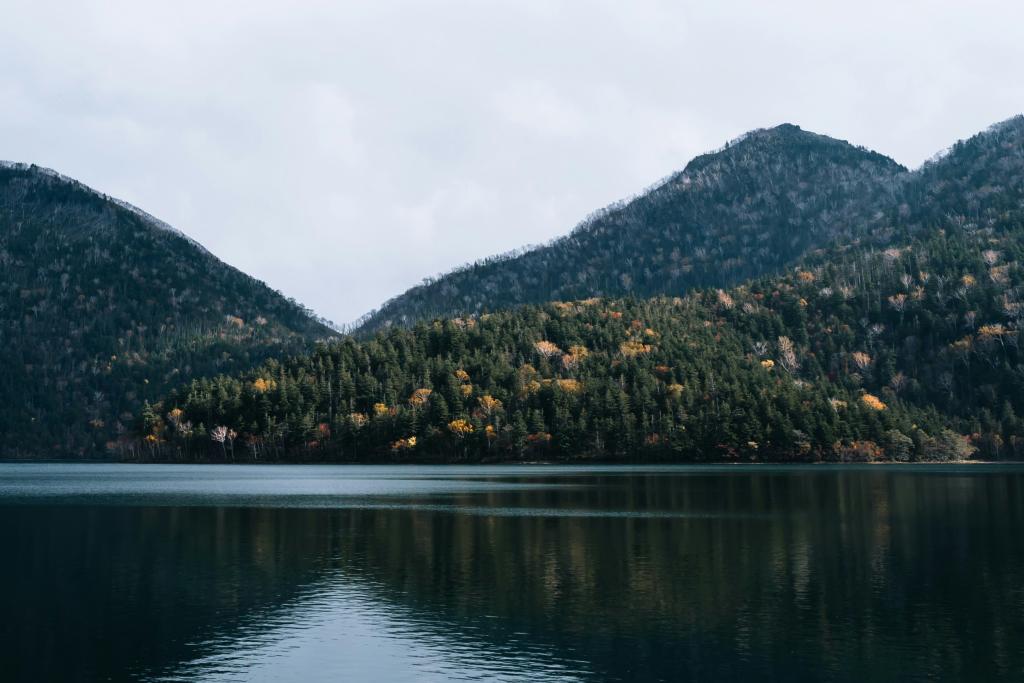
(511, 573)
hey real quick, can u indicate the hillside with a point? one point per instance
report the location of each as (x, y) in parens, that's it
(744, 211)
(904, 346)
(103, 307)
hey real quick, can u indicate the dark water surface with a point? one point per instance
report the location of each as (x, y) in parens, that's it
(280, 573)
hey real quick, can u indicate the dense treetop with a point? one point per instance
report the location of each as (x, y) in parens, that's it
(912, 352)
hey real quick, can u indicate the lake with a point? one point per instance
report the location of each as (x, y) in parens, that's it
(532, 573)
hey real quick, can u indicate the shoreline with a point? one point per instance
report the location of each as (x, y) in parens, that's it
(503, 463)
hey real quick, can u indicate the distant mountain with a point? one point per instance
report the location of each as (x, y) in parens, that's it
(748, 209)
(901, 339)
(103, 306)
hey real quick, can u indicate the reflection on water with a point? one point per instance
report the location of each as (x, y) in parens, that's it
(345, 627)
(306, 573)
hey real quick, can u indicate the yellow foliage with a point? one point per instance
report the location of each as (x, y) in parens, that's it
(460, 427)
(968, 281)
(805, 276)
(358, 420)
(768, 364)
(462, 375)
(872, 401)
(466, 389)
(420, 396)
(404, 444)
(380, 409)
(675, 390)
(633, 348)
(489, 404)
(996, 330)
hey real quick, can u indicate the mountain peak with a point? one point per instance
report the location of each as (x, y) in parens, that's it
(765, 146)
(104, 307)
(738, 212)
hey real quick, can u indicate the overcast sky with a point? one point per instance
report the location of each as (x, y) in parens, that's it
(343, 151)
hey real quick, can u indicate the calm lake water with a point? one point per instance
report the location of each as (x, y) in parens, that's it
(278, 573)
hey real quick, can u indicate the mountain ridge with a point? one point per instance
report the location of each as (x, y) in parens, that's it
(103, 306)
(904, 343)
(728, 170)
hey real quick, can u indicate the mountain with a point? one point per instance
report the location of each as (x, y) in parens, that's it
(748, 209)
(976, 179)
(898, 340)
(103, 307)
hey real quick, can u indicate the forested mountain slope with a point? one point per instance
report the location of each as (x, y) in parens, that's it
(741, 212)
(901, 345)
(102, 307)
(978, 179)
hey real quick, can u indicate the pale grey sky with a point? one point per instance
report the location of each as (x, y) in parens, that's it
(342, 151)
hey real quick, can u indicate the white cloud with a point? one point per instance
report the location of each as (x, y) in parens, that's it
(344, 150)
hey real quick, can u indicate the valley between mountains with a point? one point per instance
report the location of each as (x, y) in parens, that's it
(789, 297)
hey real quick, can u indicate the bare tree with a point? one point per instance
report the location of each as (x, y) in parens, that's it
(787, 355)
(220, 435)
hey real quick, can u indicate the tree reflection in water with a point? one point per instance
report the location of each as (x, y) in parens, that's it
(813, 574)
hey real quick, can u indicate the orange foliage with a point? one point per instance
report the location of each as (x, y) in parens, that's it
(262, 385)
(873, 402)
(570, 385)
